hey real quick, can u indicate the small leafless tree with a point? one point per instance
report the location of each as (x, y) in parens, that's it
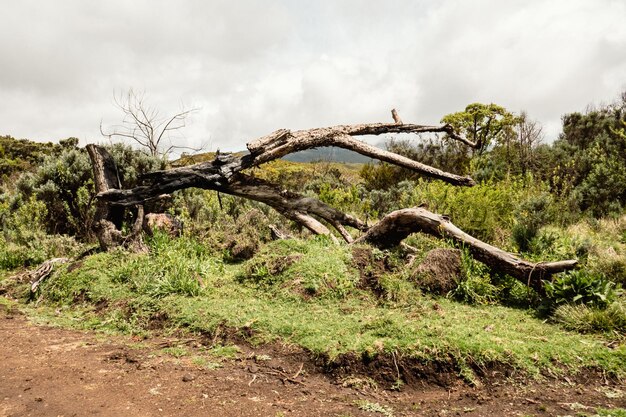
(530, 135)
(144, 125)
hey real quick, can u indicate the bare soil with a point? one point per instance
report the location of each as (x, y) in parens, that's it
(48, 371)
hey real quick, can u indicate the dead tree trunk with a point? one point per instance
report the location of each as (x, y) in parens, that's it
(108, 218)
(225, 174)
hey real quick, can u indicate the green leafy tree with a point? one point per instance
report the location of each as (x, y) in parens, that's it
(64, 183)
(589, 159)
(483, 125)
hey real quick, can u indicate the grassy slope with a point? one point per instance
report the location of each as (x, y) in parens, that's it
(309, 299)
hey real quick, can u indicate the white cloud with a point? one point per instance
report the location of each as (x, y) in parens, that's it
(253, 67)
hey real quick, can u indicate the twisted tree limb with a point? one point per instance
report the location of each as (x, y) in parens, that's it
(397, 225)
(225, 174)
(284, 142)
(217, 173)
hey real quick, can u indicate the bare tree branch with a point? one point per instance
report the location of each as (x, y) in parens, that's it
(225, 174)
(143, 125)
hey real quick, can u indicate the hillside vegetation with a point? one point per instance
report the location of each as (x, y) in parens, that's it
(228, 278)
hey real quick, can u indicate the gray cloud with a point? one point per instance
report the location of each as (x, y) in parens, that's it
(252, 67)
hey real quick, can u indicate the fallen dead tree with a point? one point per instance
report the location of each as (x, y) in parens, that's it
(397, 225)
(227, 174)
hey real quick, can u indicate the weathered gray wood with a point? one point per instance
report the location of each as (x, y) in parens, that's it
(45, 269)
(225, 175)
(396, 226)
(108, 218)
(284, 142)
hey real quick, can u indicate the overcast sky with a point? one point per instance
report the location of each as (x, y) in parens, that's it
(252, 67)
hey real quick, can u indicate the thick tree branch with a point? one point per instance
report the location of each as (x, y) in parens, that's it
(225, 174)
(108, 218)
(452, 135)
(396, 226)
(216, 174)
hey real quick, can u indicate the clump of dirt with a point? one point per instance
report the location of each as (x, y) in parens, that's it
(74, 266)
(278, 264)
(266, 269)
(158, 321)
(439, 272)
(389, 370)
(371, 268)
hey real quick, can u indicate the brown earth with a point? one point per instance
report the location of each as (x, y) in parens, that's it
(48, 371)
(440, 271)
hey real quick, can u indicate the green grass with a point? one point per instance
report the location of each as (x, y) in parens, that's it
(224, 352)
(205, 363)
(120, 292)
(375, 408)
(314, 267)
(175, 351)
(613, 412)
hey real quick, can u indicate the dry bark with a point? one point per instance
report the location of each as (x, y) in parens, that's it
(45, 269)
(108, 218)
(396, 226)
(225, 174)
(217, 174)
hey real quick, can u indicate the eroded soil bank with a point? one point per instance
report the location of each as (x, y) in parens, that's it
(46, 371)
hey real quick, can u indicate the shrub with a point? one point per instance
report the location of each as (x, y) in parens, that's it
(246, 236)
(586, 319)
(582, 287)
(531, 215)
(512, 292)
(486, 211)
(475, 286)
(64, 184)
(23, 241)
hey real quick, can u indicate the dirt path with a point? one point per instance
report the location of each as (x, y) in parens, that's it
(47, 371)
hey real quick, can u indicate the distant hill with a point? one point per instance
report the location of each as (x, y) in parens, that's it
(329, 153)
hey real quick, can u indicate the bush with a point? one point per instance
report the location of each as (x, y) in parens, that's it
(64, 184)
(582, 287)
(247, 235)
(531, 215)
(23, 241)
(475, 286)
(486, 211)
(586, 319)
